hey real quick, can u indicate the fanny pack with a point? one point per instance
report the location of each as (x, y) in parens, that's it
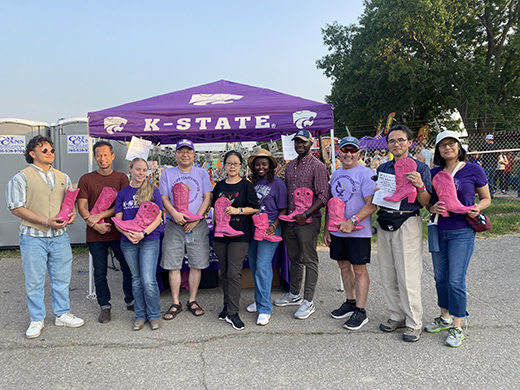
(392, 221)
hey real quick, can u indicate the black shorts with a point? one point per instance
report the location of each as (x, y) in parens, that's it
(355, 250)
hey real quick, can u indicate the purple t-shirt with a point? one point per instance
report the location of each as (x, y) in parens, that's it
(272, 197)
(352, 186)
(197, 179)
(126, 203)
(467, 180)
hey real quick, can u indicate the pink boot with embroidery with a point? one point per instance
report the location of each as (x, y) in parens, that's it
(146, 214)
(303, 201)
(181, 201)
(336, 209)
(222, 227)
(261, 222)
(104, 201)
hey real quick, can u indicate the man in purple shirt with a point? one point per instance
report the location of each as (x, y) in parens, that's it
(301, 238)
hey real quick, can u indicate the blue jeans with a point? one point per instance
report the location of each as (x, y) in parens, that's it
(450, 265)
(40, 254)
(99, 252)
(260, 260)
(490, 174)
(142, 259)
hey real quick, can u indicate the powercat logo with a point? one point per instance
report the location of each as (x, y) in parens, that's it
(202, 99)
(303, 118)
(114, 123)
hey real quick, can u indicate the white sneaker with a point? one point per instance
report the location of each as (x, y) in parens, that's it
(34, 330)
(69, 320)
(305, 310)
(263, 319)
(251, 308)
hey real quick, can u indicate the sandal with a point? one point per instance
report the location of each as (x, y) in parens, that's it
(195, 309)
(173, 314)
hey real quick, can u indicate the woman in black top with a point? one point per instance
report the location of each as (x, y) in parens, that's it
(229, 244)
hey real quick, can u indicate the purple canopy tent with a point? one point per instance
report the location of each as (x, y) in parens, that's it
(222, 111)
(369, 143)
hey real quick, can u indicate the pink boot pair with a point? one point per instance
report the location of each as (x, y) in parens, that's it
(261, 222)
(403, 187)
(336, 209)
(146, 214)
(303, 201)
(447, 193)
(68, 204)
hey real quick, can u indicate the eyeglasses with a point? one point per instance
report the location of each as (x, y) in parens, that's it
(45, 150)
(233, 164)
(449, 144)
(189, 151)
(346, 150)
(399, 141)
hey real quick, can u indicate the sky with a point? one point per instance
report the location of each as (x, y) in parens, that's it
(63, 59)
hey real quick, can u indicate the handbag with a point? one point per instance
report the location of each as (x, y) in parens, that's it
(433, 235)
(480, 223)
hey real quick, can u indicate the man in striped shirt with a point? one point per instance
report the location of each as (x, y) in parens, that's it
(301, 238)
(35, 195)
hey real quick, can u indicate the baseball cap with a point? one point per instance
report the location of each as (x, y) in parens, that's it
(349, 141)
(489, 136)
(304, 135)
(447, 134)
(184, 142)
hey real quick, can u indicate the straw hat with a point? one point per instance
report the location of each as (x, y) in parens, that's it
(261, 153)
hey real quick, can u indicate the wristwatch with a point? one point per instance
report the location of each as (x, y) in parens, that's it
(422, 189)
(144, 233)
(354, 220)
(307, 214)
(240, 213)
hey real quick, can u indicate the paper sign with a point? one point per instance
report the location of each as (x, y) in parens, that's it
(386, 185)
(12, 144)
(288, 147)
(138, 148)
(77, 144)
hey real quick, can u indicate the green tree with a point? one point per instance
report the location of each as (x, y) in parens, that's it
(425, 59)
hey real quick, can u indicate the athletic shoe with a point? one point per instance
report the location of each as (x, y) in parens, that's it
(289, 300)
(391, 325)
(251, 308)
(455, 337)
(263, 319)
(412, 334)
(305, 310)
(356, 320)
(69, 320)
(223, 314)
(34, 330)
(235, 320)
(438, 324)
(345, 310)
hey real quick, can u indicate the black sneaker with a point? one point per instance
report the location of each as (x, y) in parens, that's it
(356, 320)
(235, 320)
(345, 310)
(223, 314)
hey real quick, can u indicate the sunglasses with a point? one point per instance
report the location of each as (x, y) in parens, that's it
(45, 150)
(346, 149)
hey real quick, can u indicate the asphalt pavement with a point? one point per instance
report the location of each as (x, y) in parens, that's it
(318, 353)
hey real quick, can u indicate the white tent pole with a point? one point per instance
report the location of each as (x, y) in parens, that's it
(332, 151)
(91, 290)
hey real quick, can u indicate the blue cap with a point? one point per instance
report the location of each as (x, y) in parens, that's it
(184, 142)
(349, 141)
(304, 135)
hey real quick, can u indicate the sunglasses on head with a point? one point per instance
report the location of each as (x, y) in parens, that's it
(347, 149)
(45, 150)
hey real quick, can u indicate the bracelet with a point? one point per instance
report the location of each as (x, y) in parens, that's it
(421, 189)
(46, 222)
(356, 218)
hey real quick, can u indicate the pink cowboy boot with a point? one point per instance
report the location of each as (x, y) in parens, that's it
(181, 201)
(447, 193)
(104, 201)
(222, 228)
(261, 222)
(146, 214)
(336, 208)
(68, 204)
(303, 201)
(403, 187)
